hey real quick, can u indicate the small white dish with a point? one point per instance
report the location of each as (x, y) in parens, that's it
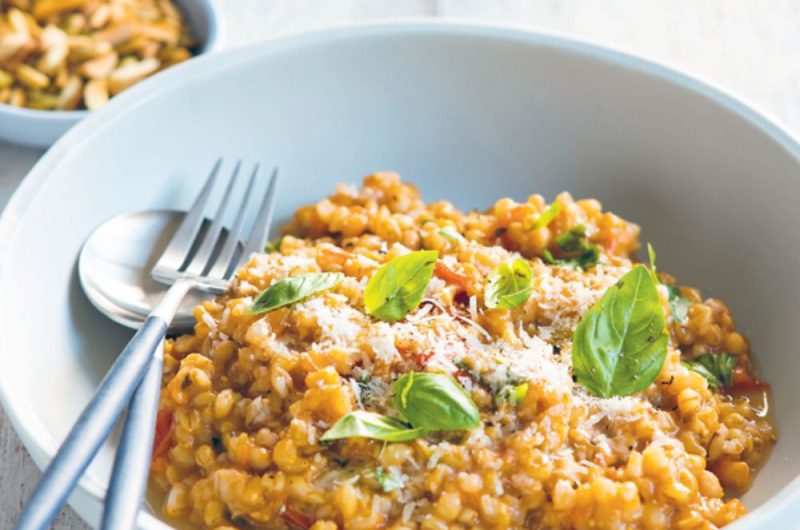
(40, 128)
(470, 113)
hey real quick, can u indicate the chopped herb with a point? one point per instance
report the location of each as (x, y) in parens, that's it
(391, 480)
(294, 289)
(461, 364)
(620, 344)
(274, 245)
(216, 443)
(716, 368)
(573, 249)
(546, 217)
(678, 304)
(363, 383)
(452, 234)
(512, 394)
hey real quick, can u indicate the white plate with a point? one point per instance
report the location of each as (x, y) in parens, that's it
(469, 113)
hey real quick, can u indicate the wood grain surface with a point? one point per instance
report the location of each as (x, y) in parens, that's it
(751, 47)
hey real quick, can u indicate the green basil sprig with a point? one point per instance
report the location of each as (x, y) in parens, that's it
(364, 424)
(294, 289)
(574, 249)
(547, 217)
(428, 402)
(435, 402)
(397, 287)
(620, 344)
(509, 285)
(716, 368)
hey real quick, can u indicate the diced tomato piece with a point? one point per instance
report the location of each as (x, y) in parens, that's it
(421, 359)
(297, 519)
(165, 429)
(450, 276)
(610, 242)
(462, 373)
(743, 381)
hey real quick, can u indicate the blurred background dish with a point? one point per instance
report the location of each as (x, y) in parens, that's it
(59, 58)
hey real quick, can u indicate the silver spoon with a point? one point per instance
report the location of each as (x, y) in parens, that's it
(115, 263)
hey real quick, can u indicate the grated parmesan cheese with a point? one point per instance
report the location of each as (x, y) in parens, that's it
(383, 344)
(339, 324)
(297, 262)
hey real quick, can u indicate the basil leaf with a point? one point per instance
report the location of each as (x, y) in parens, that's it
(547, 217)
(513, 394)
(364, 424)
(389, 481)
(294, 289)
(620, 344)
(452, 234)
(397, 287)
(509, 285)
(716, 368)
(574, 249)
(678, 304)
(435, 402)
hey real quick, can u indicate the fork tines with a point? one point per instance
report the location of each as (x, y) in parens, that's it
(201, 249)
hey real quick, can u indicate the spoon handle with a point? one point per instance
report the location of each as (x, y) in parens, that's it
(132, 463)
(92, 427)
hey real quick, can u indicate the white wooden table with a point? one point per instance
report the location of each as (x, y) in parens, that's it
(750, 47)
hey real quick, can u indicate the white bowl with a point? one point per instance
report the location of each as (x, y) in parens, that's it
(470, 113)
(40, 128)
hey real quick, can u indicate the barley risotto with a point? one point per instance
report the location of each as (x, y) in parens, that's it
(395, 364)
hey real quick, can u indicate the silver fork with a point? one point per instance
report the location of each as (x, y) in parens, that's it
(192, 260)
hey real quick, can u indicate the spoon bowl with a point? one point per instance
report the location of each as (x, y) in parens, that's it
(115, 263)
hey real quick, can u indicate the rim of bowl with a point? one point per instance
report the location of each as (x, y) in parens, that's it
(213, 42)
(41, 446)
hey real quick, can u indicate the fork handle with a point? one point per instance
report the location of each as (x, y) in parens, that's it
(132, 463)
(92, 427)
